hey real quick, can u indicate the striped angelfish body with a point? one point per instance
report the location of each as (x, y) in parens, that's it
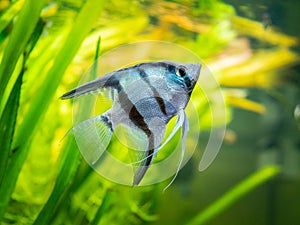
(145, 97)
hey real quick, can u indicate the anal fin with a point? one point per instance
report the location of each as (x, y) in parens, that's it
(142, 169)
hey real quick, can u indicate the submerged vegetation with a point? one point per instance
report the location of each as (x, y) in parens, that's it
(45, 46)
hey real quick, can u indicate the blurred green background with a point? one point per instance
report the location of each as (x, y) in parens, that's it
(252, 49)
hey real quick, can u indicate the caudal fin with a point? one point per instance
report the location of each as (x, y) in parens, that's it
(93, 137)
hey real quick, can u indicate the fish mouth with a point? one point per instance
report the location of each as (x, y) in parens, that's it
(195, 73)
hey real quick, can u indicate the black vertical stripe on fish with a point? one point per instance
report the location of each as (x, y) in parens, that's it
(137, 119)
(156, 95)
(188, 83)
(140, 174)
(113, 82)
(128, 106)
(107, 122)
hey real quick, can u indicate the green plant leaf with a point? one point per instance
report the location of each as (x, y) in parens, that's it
(106, 201)
(70, 158)
(18, 40)
(69, 163)
(81, 27)
(7, 124)
(10, 13)
(15, 47)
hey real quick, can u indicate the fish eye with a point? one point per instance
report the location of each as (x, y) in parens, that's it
(181, 71)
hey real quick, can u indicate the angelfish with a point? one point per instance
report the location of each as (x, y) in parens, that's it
(145, 97)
